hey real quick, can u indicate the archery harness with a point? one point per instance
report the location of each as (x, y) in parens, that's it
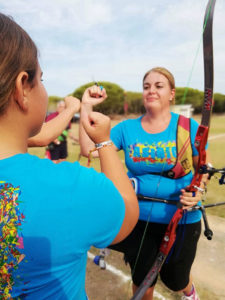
(184, 161)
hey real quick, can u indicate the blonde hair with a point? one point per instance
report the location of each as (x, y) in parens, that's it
(165, 73)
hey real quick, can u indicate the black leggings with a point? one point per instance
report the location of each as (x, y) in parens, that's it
(176, 270)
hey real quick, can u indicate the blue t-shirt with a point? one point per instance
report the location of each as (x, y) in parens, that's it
(67, 208)
(146, 153)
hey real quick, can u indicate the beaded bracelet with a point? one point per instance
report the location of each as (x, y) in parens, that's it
(103, 144)
(97, 147)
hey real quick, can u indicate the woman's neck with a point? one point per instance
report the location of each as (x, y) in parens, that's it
(9, 149)
(11, 143)
(155, 122)
(15, 130)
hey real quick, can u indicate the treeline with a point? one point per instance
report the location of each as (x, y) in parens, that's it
(119, 99)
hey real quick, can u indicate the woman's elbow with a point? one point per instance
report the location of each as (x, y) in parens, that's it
(83, 152)
(134, 213)
(39, 141)
(129, 222)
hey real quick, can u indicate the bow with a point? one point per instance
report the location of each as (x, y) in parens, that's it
(203, 129)
(200, 143)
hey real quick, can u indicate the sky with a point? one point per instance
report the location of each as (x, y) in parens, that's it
(119, 40)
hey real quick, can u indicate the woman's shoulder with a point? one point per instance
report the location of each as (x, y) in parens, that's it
(65, 172)
(45, 164)
(193, 121)
(175, 117)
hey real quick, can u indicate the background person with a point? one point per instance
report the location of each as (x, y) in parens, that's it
(53, 213)
(57, 150)
(150, 144)
(53, 128)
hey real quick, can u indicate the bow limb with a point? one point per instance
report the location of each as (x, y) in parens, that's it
(203, 130)
(200, 143)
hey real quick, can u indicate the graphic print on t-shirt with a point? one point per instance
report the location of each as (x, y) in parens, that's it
(159, 152)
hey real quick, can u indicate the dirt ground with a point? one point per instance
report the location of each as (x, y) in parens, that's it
(209, 266)
(208, 271)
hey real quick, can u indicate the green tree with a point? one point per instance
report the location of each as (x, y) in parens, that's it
(219, 103)
(135, 102)
(193, 96)
(196, 98)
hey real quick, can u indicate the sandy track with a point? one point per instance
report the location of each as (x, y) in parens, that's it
(209, 265)
(208, 270)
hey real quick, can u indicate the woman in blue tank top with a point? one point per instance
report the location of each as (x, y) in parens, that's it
(152, 152)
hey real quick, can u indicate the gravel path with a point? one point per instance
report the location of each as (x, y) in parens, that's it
(209, 265)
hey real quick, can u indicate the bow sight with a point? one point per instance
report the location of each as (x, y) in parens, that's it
(208, 169)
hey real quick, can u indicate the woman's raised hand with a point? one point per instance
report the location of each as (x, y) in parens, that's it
(97, 127)
(94, 95)
(73, 103)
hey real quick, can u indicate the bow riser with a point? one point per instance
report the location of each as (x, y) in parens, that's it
(170, 234)
(200, 143)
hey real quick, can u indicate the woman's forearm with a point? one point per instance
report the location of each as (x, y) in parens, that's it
(52, 129)
(113, 168)
(86, 143)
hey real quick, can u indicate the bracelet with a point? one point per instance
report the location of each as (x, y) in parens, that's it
(97, 147)
(103, 144)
